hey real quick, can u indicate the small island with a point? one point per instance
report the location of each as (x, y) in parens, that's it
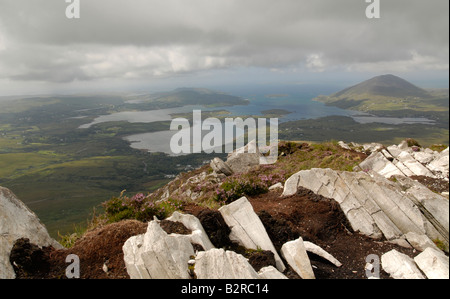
(275, 96)
(275, 112)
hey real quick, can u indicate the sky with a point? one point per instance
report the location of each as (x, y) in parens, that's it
(145, 45)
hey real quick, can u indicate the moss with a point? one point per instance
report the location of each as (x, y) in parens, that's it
(440, 244)
(438, 147)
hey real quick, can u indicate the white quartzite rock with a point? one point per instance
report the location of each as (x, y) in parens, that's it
(313, 248)
(221, 264)
(376, 206)
(294, 252)
(404, 161)
(271, 272)
(419, 242)
(17, 221)
(433, 263)
(276, 186)
(132, 250)
(441, 163)
(198, 236)
(157, 255)
(247, 228)
(400, 266)
(220, 166)
(244, 158)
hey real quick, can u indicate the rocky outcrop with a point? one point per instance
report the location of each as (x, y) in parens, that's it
(376, 206)
(16, 222)
(157, 255)
(186, 189)
(403, 160)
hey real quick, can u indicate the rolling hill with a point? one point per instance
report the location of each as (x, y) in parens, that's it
(387, 93)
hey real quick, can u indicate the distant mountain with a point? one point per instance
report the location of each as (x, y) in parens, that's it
(192, 96)
(386, 93)
(386, 85)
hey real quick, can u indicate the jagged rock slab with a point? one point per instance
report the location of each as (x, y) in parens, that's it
(221, 264)
(157, 255)
(317, 250)
(198, 235)
(400, 266)
(294, 252)
(434, 207)
(378, 162)
(374, 205)
(413, 165)
(433, 263)
(132, 256)
(247, 229)
(271, 272)
(17, 221)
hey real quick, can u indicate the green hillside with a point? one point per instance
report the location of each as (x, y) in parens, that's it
(389, 93)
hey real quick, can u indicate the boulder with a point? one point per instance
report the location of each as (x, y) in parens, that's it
(276, 186)
(247, 229)
(244, 159)
(294, 252)
(16, 222)
(157, 255)
(433, 263)
(344, 145)
(220, 167)
(221, 264)
(400, 266)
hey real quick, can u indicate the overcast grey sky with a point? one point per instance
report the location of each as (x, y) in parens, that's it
(134, 44)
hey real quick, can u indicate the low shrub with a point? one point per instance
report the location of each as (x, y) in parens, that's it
(139, 207)
(237, 186)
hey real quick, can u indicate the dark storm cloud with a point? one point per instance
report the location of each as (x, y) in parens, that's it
(154, 38)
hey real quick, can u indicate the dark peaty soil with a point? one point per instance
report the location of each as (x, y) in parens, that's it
(320, 221)
(96, 248)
